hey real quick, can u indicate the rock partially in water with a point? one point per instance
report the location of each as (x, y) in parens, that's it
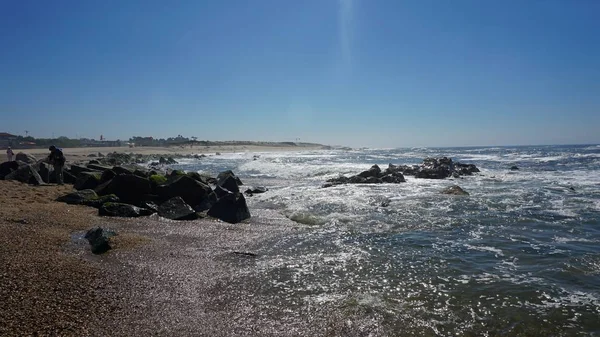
(514, 168)
(99, 239)
(230, 208)
(454, 190)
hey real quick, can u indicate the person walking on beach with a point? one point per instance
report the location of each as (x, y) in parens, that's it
(57, 160)
(9, 154)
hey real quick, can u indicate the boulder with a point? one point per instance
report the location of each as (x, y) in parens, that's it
(99, 240)
(7, 167)
(192, 191)
(107, 176)
(77, 198)
(151, 205)
(256, 190)
(87, 180)
(121, 170)
(141, 172)
(374, 171)
(229, 183)
(465, 169)
(128, 187)
(454, 190)
(26, 174)
(394, 178)
(100, 200)
(26, 158)
(207, 203)
(230, 208)
(68, 178)
(98, 167)
(202, 177)
(122, 210)
(176, 209)
(224, 175)
(76, 170)
(514, 168)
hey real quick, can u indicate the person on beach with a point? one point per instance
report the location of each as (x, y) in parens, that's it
(57, 160)
(9, 154)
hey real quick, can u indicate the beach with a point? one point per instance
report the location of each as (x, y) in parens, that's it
(517, 255)
(82, 153)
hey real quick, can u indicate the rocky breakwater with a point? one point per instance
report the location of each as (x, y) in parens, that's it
(431, 168)
(132, 191)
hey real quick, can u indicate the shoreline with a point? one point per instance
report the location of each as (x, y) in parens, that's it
(162, 277)
(82, 153)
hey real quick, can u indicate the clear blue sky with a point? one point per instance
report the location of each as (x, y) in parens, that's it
(359, 73)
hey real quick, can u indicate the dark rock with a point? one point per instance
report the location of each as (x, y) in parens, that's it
(107, 176)
(121, 170)
(92, 155)
(68, 178)
(122, 210)
(207, 203)
(7, 167)
(229, 183)
(394, 178)
(373, 180)
(87, 180)
(26, 158)
(374, 171)
(97, 167)
(141, 173)
(256, 190)
(465, 169)
(77, 198)
(192, 191)
(176, 209)
(226, 174)
(95, 162)
(356, 180)
(230, 208)
(26, 174)
(514, 168)
(76, 170)
(454, 190)
(99, 240)
(101, 200)
(220, 191)
(128, 187)
(151, 205)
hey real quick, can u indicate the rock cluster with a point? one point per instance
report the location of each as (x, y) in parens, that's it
(136, 191)
(431, 168)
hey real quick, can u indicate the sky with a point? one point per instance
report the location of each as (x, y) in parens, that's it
(370, 73)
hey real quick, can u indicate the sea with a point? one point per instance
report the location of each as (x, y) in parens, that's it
(520, 255)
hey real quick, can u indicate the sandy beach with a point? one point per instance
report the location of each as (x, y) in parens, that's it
(155, 281)
(81, 153)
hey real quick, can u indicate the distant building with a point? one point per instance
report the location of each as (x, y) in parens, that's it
(6, 139)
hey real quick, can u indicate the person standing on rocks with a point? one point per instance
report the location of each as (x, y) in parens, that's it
(57, 160)
(9, 154)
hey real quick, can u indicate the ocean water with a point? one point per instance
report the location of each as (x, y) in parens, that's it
(519, 256)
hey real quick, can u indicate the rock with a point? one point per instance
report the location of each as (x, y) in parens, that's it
(373, 180)
(465, 169)
(230, 208)
(207, 203)
(7, 167)
(97, 167)
(374, 171)
(87, 180)
(26, 174)
(256, 190)
(99, 240)
(92, 155)
(203, 178)
(107, 176)
(395, 178)
(224, 175)
(93, 161)
(26, 158)
(190, 190)
(121, 170)
(128, 187)
(229, 183)
(514, 168)
(77, 198)
(151, 205)
(122, 210)
(68, 178)
(76, 170)
(454, 190)
(176, 209)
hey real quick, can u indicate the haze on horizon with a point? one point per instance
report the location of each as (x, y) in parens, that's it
(348, 72)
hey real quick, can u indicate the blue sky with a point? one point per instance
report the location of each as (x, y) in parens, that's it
(351, 72)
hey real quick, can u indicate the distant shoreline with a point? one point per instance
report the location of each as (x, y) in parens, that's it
(81, 153)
